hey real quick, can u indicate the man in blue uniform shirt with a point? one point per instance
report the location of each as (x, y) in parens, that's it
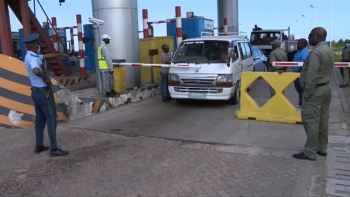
(300, 56)
(45, 108)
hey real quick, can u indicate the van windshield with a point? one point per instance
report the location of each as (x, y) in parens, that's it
(201, 52)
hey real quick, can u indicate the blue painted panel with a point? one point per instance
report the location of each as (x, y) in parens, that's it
(192, 26)
(89, 48)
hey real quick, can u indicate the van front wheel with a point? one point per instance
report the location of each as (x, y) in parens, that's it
(235, 99)
(181, 101)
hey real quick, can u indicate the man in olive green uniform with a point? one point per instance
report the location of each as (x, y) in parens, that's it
(277, 55)
(345, 57)
(314, 78)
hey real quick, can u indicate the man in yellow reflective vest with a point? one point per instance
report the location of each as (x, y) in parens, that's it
(106, 67)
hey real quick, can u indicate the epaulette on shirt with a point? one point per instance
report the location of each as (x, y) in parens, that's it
(34, 55)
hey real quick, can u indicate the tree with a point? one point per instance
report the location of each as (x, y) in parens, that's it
(341, 41)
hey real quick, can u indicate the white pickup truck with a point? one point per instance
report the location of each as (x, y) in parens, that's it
(263, 38)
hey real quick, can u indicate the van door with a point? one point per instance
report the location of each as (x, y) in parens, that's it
(249, 57)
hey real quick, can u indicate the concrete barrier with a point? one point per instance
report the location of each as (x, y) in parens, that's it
(276, 109)
(17, 107)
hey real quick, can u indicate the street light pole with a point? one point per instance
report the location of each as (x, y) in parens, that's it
(331, 24)
(304, 24)
(313, 7)
(298, 29)
(34, 7)
(97, 23)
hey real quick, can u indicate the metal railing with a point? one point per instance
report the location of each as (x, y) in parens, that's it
(239, 34)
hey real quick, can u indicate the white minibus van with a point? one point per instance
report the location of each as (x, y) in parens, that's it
(215, 67)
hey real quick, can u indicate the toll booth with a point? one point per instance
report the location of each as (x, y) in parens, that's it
(192, 27)
(89, 45)
(150, 51)
(62, 45)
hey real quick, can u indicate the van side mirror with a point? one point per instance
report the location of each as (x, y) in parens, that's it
(171, 54)
(230, 53)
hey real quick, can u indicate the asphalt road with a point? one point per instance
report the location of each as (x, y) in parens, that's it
(198, 121)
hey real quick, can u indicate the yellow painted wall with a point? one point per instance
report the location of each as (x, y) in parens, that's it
(153, 43)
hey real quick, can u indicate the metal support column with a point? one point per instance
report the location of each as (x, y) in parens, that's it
(228, 9)
(25, 18)
(152, 72)
(5, 30)
(98, 72)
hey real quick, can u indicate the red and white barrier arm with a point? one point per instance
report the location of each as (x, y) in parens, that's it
(63, 28)
(157, 65)
(163, 21)
(292, 64)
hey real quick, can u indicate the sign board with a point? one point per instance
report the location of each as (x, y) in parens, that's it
(209, 24)
(15, 35)
(60, 32)
(62, 39)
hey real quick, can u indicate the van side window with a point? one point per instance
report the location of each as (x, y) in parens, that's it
(235, 55)
(242, 51)
(248, 49)
(256, 53)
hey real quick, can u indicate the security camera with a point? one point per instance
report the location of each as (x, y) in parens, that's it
(96, 21)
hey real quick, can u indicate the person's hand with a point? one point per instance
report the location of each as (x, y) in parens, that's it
(111, 72)
(64, 55)
(47, 80)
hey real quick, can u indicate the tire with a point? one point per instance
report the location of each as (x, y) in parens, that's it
(181, 101)
(235, 99)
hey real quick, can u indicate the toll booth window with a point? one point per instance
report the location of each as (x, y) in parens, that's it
(201, 52)
(184, 36)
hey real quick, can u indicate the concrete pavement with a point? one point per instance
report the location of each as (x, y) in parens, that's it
(199, 121)
(243, 158)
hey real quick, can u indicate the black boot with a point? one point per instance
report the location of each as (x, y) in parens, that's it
(114, 92)
(302, 156)
(108, 94)
(58, 152)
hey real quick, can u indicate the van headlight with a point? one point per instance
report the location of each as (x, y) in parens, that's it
(224, 80)
(173, 79)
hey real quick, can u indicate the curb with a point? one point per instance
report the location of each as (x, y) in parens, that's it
(337, 78)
